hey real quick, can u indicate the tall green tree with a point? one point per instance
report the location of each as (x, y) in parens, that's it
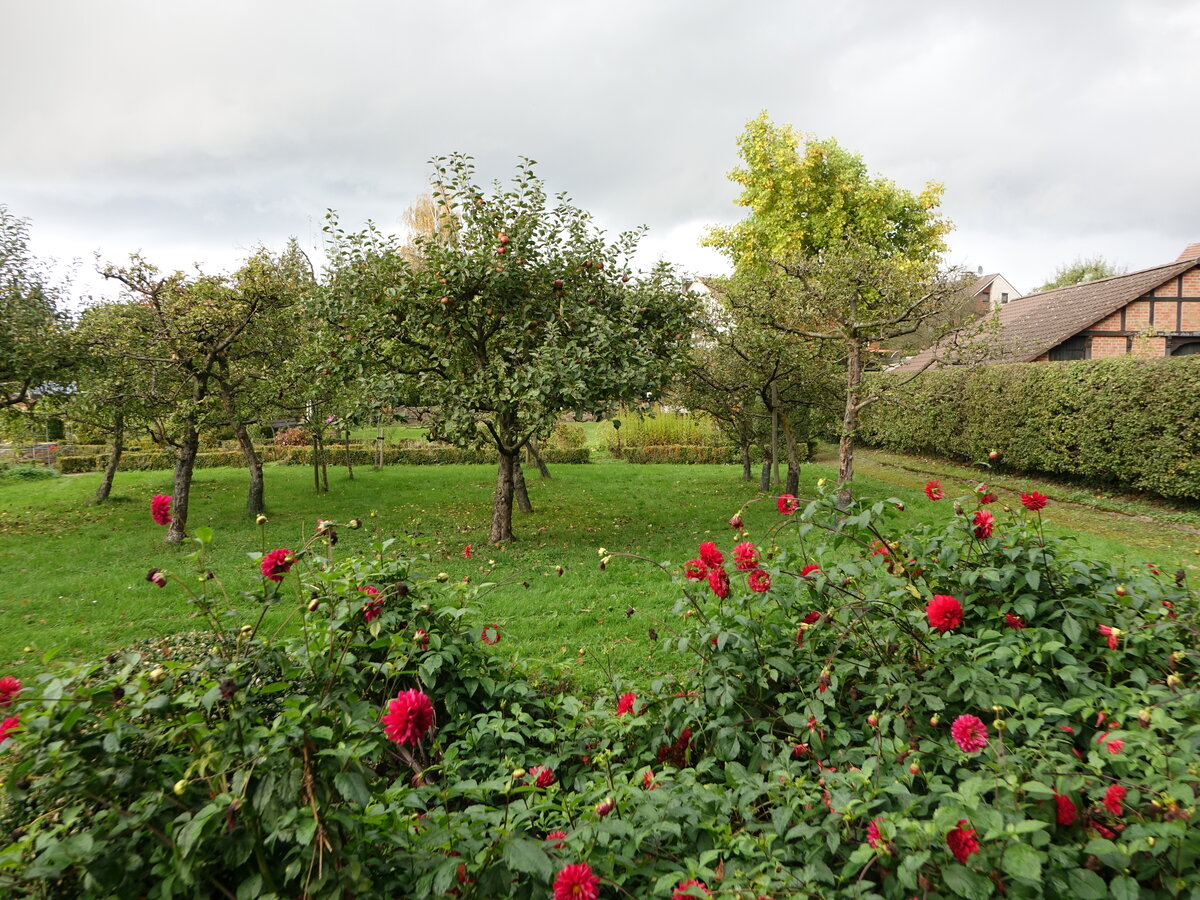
(514, 309)
(1080, 271)
(857, 257)
(34, 345)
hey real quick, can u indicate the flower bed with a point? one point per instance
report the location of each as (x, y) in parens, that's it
(875, 711)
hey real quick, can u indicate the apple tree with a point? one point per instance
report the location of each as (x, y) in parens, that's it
(514, 309)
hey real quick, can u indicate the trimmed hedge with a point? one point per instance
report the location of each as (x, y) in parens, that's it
(426, 455)
(680, 453)
(1127, 422)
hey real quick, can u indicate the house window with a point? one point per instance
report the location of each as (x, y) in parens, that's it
(1003, 298)
(1072, 348)
(1187, 349)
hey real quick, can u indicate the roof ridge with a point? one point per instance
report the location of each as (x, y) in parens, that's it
(1067, 287)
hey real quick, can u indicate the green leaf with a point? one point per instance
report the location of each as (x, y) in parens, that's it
(1033, 578)
(203, 535)
(251, 888)
(524, 855)
(1071, 629)
(1084, 884)
(190, 833)
(965, 883)
(1022, 861)
(1124, 888)
(352, 786)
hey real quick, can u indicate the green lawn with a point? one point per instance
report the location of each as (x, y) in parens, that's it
(72, 575)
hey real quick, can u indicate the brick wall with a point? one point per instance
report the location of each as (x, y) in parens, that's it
(1170, 289)
(1149, 346)
(1190, 321)
(1103, 347)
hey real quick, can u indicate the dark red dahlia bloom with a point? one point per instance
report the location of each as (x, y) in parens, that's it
(1015, 622)
(713, 558)
(155, 576)
(1034, 501)
(718, 580)
(809, 569)
(1113, 635)
(759, 581)
(9, 688)
(576, 882)
(557, 839)
(409, 717)
(745, 556)
(787, 504)
(373, 608)
(812, 618)
(160, 509)
(625, 703)
(984, 521)
(933, 490)
(8, 726)
(490, 634)
(276, 564)
(695, 569)
(944, 612)
(1113, 798)
(686, 890)
(543, 776)
(1065, 810)
(962, 841)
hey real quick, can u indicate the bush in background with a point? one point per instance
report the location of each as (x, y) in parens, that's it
(1127, 422)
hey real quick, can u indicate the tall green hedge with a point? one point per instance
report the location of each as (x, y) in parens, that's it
(1127, 422)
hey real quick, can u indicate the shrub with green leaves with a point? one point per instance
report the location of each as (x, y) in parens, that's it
(874, 711)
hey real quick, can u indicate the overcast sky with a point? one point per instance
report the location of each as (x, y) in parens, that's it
(195, 132)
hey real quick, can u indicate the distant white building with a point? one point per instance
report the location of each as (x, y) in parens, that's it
(992, 292)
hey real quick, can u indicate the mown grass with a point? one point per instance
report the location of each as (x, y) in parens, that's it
(72, 574)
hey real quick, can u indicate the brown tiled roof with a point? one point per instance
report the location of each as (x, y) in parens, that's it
(1033, 324)
(983, 282)
(1191, 251)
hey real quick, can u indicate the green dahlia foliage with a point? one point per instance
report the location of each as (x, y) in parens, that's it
(874, 711)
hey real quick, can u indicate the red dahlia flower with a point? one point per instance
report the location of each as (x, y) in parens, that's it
(1115, 746)
(873, 836)
(944, 612)
(374, 607)
(759, 581)
(1113, 635)
(1016, 623)
(543, 776)
(1113, 797)
(969, 733)
(557, 839)
(9, 688)
(8, 726)
(787, 504)
(625, 704)
(718, 580)
(983, 524)
(1065, 810)
(648, 780)
(409, 717)
(812, 618)
(467, 551)
(276, 564)
(688, 889)
(490, 634)
(933, 490)
(576, 882)
(745, 556)
(1034, 501)
(160, 509)
(155, 576)
(695, 570)
(713, 558)
(962, 841)
(605, 806)
(809, 569)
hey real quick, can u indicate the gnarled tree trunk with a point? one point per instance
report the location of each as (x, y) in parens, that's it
(185, 462)
(534, 452)
(747, 470)
(849, 423)
(502, 504)
(114, 458)
(764, 482)
(519, 488)
(793, 473)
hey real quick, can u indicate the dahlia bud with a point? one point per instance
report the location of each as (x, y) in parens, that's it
(1144, 718)
(999, 724)
(934, 720)
(247, 630)
(518, 774)
(914, 769)
(1120, 592)
(314, 605)
(602, 552)
(900, 505)
(443, 577)
(558, 570)
(354, 524)
(228, 688)
(1151, 841)
(374, 515)
(736, 522)
(958, 510)
(1174, 681)
(323, 525)
(260, 519)
(997, 709)
(155, 576)
(605, 806)
(157, 675)
(993, 455)
(180, 787)
(872, 720)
